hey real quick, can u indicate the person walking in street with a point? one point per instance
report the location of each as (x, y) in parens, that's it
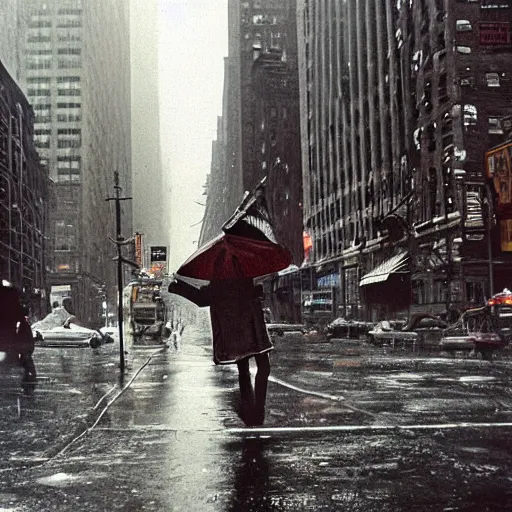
(16, 337)
(238, 334)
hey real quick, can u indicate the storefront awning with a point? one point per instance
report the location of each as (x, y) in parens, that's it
(395, 265)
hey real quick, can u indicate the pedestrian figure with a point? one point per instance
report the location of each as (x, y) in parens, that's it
(16, 338)
(239, 333)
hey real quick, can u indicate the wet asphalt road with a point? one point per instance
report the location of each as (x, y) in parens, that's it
(348, 428)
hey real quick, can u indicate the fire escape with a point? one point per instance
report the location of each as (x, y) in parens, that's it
(23, 188)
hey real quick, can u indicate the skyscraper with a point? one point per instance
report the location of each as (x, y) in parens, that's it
(76, 70)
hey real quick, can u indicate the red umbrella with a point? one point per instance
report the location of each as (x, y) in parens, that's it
(235, 257)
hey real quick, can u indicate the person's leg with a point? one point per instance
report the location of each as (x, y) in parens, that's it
(246, 390)
(260, 388)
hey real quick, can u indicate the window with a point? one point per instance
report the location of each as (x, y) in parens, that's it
(67, 79)
(68, 169)
(492, 79)
(69, 63)
(39, 80)
(69, 138)
(463, 49)
(42, 138)
(69, 118)
(40, 24)
(70, 23)
(463, 26)
(65, 238)
(69, 51)
(43, 113)
(69, 92)
(69, 105)
(39, 39)
(39, 64)
(470, 115)
(38, 92)
(44, 51)
(70, 11)
(495, 126)
(495, 4)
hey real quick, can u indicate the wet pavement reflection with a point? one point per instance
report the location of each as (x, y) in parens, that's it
(371, 431)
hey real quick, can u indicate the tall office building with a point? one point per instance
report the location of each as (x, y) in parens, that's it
(150, 203)
(260, 113)
(76, 70)
(12, 25)
(259, 131)
(399, 104)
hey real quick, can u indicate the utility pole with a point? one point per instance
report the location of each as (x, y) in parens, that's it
(120, 241)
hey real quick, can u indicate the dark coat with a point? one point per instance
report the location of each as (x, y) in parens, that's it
(15, 331)
(238, 326)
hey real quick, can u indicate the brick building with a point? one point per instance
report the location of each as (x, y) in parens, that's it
(25, 195)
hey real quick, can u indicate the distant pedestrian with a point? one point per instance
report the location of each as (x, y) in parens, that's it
(239, 333)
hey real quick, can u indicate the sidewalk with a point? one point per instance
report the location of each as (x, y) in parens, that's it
(73, 386)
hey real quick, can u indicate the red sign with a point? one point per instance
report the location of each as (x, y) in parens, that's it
(494, 34)
(138, 249)
(499, 170)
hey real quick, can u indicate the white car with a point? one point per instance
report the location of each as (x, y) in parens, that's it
(71, 334)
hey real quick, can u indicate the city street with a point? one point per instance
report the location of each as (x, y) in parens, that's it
(349, 427)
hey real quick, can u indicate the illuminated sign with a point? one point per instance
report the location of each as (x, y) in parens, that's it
(506, 235)
(158, 253)
(138, 249)
(494, 34)
(498, 169)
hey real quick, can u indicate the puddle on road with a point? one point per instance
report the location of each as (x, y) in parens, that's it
(476, 378)
(65, 479)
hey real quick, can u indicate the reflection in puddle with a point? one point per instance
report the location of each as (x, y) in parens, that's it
(251, 485)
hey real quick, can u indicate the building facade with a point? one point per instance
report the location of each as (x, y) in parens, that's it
(75, 68)
(258, 135)
(399, 104)
(25, 197)
(148, 180)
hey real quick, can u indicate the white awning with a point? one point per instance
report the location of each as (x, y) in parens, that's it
(395, 265)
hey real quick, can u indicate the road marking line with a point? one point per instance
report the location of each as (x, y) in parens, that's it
(305, 391)
(359, 428)
(325, 428)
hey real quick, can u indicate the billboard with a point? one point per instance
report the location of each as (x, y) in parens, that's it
(158, 253)
(506, 235)
(498, 169)
(158, 260)
(138, 249)
(494, 33)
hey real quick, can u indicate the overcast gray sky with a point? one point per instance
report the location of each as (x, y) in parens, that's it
(193, 44)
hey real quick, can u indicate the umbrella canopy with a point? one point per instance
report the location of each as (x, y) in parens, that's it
(230, 256)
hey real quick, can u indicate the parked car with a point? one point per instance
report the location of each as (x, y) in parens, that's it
(280, 329)
(343, 328)
(70, 334)
(483, 330)
(422, 328)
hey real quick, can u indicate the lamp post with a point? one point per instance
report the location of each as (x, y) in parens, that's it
(120, 241)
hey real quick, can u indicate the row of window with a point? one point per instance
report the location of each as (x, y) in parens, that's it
(47, 79)
(46, 63)
(60, 92)
(47, 106)
(488, 4)
(470, 117)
